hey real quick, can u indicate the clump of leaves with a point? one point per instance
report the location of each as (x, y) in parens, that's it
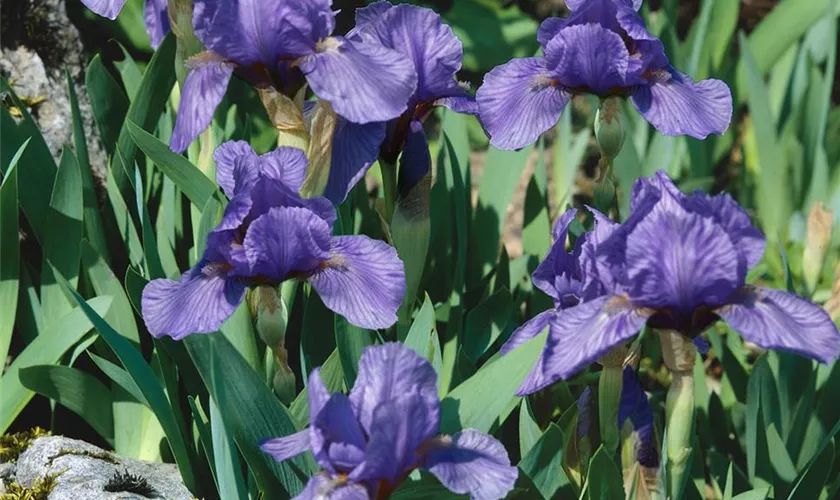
(127, 482)
(40, 490)
(12, 445)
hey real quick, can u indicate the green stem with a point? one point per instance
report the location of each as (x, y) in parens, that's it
(679, 355)
(609, 399)
(389, 186)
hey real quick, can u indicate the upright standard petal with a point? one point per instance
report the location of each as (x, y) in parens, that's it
(363, 280)
(285, 241)
(355, 148)
(472, 463)
(227, 156)
(676, 105)
(338, 444)
(286, 447)
(588, 56)
(774, 319)
(580, 335)
(287, 165)
(316, 394)
(518, 101)
(157, 20)
(555, 275)
(387, 372)
(203, 91)
(105, 8)
(364, 82)
(199, 302)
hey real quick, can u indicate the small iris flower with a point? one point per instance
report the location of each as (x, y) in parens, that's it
(368, 442)
(436, 54)
(154, 13)
(268, 234)
(603, 48)
(679, 262)
(286, 44)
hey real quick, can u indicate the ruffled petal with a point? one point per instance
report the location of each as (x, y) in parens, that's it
(399, 427)
(371, 12)
(157, 20)
(105, 8)
(528, 330)
(774, 319)
(322, 487)
(287, 165)
(588, 56)
(354, 149)
(269, 193)
(581, 335)
(203, 91)
(549, 29)
(464, 104)
(518, 101)
(339, 444)
(316, 394)
(286, 240)
(287, 447)
(230, 157)
(472, 463)
(364, 82)
(363, 280)
(676, 105)
(555, 275)
(387, 372)
(198, 302)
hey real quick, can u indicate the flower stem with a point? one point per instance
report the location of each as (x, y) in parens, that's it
(389, 186)
(679, 354)
(609, 397)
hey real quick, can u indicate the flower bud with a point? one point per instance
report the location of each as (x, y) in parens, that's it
(270, 315)
(817, 239)
(608, 128)
(284, 383)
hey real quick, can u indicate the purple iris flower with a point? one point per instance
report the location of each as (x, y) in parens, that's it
(154, 13)
(602, 48)
(286, 44)
(268, 234)
(634, 405)
(679, 262)
(368, 442)
(436, 54)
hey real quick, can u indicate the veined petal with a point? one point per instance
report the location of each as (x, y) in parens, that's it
(371, 12)
(580, 335)
(341, 444)
(464, 104)
(363, 280)
(558, 263)
(549, 29)
(203, 91)
(287, 165)
(157, 20)
(416, 161)
(472, 463)
(588, 56)
(528, 330)
(286, 447)
(286, 240)
(316, 394)
(774, 319)
(364, 82)
(355, 148)
(229, 157)
(676, 105)
(198, 302)
(518, 101)
(105, 8)
(322, 487)
(399, 427)
(387, 372)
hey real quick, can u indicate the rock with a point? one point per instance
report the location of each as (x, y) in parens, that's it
(38, 44)
(7, 473)
(85, 470)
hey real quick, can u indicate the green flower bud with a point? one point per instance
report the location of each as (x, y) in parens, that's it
(284, 381)
(270, 315)
(608, 128)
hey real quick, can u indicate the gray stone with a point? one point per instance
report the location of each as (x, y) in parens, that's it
(85, 470)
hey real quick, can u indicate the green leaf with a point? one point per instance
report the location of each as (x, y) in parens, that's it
(480, 401)
(779, 458)
(756, 494)
(772, 178)
(758, 463)
(727, 492)
(350, 340)
(810, 482)
(189, 179)
(423, 337)
(225, 456)
(333, 377)
(125, 223)
(543, 464)
(120, 377)
(148, 384)
(485, 322)
(46, 349)
(77, 391)
(10, 249)
(121, 315)
(603, 482)
(250, 411)
(108, 102)
(61, 244)
(536, 224)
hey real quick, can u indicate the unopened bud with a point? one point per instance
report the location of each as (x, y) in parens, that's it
(817, 240)
(270, 315)
(284, 383)
(608, 128)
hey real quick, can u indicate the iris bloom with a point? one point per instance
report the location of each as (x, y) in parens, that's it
(679, 262)
(154, 13)
(436, 54)
(368, 442)
(286, 44)
(634, 405)
(268, 234)
(602, 48)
